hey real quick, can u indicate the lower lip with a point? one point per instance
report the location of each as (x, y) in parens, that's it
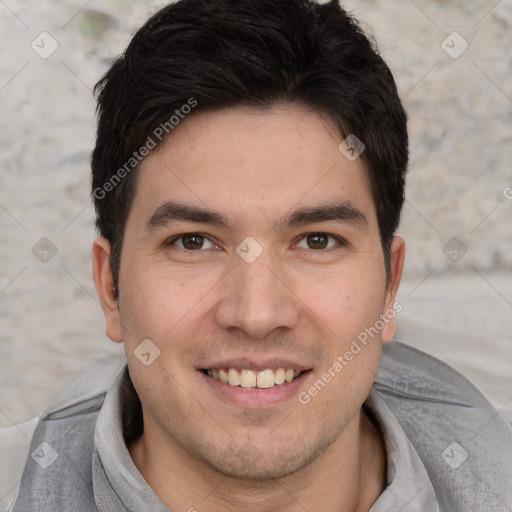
(256, 397)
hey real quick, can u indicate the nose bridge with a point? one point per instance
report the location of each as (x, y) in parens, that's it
(257, 299)
(259, 280)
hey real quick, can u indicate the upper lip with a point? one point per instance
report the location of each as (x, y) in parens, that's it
(254, 364)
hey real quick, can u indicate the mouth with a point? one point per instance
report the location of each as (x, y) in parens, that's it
(251, 378)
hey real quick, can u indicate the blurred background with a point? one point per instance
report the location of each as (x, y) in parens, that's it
(452, 61)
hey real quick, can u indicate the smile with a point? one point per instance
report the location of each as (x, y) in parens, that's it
(246, 378)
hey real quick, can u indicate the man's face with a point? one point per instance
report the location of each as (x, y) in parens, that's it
(210, 300)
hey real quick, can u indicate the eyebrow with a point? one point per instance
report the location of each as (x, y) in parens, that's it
(343, 212)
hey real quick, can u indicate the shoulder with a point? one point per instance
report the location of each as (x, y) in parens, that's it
(407, 370)
(464, 443)
(77, 406)
(407, 376)
(14, 443)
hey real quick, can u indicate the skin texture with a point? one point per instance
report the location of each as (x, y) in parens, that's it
(295, 301)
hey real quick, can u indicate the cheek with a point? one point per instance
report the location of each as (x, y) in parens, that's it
(344, 314)
(346, 303)
(154, 302)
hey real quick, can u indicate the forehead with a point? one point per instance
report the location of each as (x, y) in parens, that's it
(250, 163)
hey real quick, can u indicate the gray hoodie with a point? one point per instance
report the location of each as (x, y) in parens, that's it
(448, 449)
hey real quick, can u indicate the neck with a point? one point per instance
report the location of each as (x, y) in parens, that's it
(350, 475)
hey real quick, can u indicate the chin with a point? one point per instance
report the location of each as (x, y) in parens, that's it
(257, 464)
(258, 472)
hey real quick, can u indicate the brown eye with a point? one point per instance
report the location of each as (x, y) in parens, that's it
(191, 242)
(317, 240)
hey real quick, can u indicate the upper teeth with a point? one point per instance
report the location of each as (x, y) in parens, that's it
(252, 379)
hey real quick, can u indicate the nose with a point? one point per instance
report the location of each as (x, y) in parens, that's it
(257, 298)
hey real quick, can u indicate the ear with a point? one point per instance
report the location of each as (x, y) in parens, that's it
(105, 287)
(390, 310)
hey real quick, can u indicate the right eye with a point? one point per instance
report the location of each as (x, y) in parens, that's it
(190, 242)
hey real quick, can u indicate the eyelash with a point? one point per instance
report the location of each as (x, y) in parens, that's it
(341, 241)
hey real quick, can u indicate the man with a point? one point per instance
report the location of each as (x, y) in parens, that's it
(248, 179)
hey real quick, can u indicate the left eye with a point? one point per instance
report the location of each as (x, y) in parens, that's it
(191, 242)
(318, 241)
